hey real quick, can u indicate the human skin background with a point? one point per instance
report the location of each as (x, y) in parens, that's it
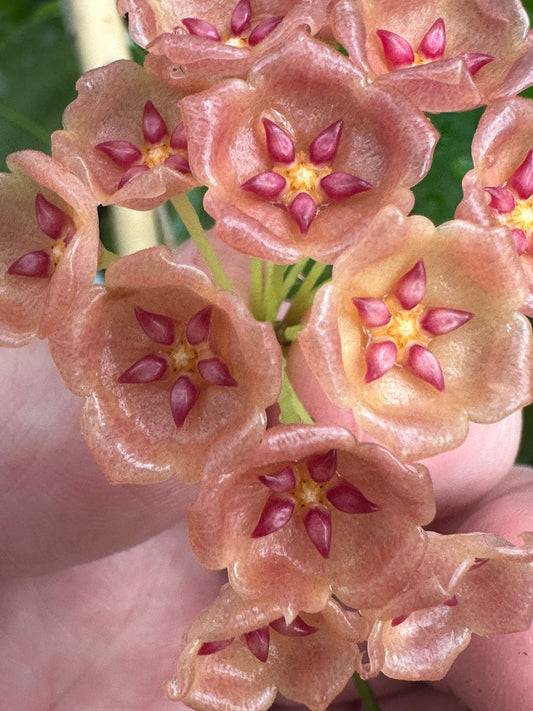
(98, 582)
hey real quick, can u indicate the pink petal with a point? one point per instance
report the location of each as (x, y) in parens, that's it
(501, 199)
(182, 398)
(339, 186)
(157, 327)
(258, 642)
(201, 28)
(215, 372)
(131, 173)
(179, 163)
(348, 499)
(520, 240)
(153, 125)
(267, 185)
(438, 321)
(324, 148)
(317, 523)
(296, 628)
(178, 140)
(240, 17)
(522, 179)
(281, 481)
(425, 366)
(380, 357)
(279, 144)
(276, 514)
(33, 264)
(434, 41)
(216, 646)
(263, 29)
(411, 287)
(146, 370)
(50, 218)
(475, 61)
(398, 52)
(303, 211)
(372, 312)
(322, 467)
(197, 330)
(122, 153)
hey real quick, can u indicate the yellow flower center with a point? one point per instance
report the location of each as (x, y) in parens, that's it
(302, 176)
(420, 60)
(58, 247)
(307, 491)
(236, 41)
(521, 217)
(155, 155)
(403, 328)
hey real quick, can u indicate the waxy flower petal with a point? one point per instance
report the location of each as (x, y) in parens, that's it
(49, 246)
(411, 389)
(120, 136)
(290, 529)
(501, 152)
(452, 56)
(176, 373)
(354, 150)
(253, 652)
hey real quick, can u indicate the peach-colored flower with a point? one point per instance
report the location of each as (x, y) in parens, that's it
(418, 332)
(288, 178)
(467, 584)
(450, 55)
(240, 652)
(312, 512)
(499, 190)
(176, 373)
(124, 137)
(49, 246)
(218, 38)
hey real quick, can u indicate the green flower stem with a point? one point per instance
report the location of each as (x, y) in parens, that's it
(304, 298)
(291, 408)
(366, 695)
(256, 279)
(291, 277)
(190, 219)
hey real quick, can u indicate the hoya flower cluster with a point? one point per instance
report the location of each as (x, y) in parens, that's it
(304, 120)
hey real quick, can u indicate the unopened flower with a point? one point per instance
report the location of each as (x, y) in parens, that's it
(241, 652)
(419, 332)
(310, 513)
(288, 178)
(124, 137)
(175, 372)
(467, 584)
(499, 189)
(49, 246)
(453, 55)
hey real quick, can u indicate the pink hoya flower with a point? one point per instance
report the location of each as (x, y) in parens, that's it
(313, 512)
(418, 332)
(288, 178)
(124, 137)
(240, 653)
(49, 246)
(450, 55)
(467, 584)
(499, 190)
(224, 37)
(175, 372)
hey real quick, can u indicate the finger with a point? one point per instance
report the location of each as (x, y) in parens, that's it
(56, 507)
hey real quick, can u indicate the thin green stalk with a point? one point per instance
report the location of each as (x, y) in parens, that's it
(303, 299)
(291, 277)
(194, 227)
(256, 279)
(366, 695)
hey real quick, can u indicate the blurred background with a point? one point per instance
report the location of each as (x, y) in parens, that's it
(39, 69)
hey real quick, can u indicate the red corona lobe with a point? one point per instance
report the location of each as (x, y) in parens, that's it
(146, 370)
(276, 514)
(240, 17)
(158, 328)
(153, 126)
(182, 398)
(322, 467)
(522, 179)
(263, 29)
(279, 144)
(258, 642)
(398, 52)
(296, 628)
(434, 41)
(324, 147)
(122, 153)
(317, 523)
(281, 481)
(411, 287)
(347, 498)
(33, 264)
(50, 218)
(201, 28)
(372, 312)
(213, 647)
